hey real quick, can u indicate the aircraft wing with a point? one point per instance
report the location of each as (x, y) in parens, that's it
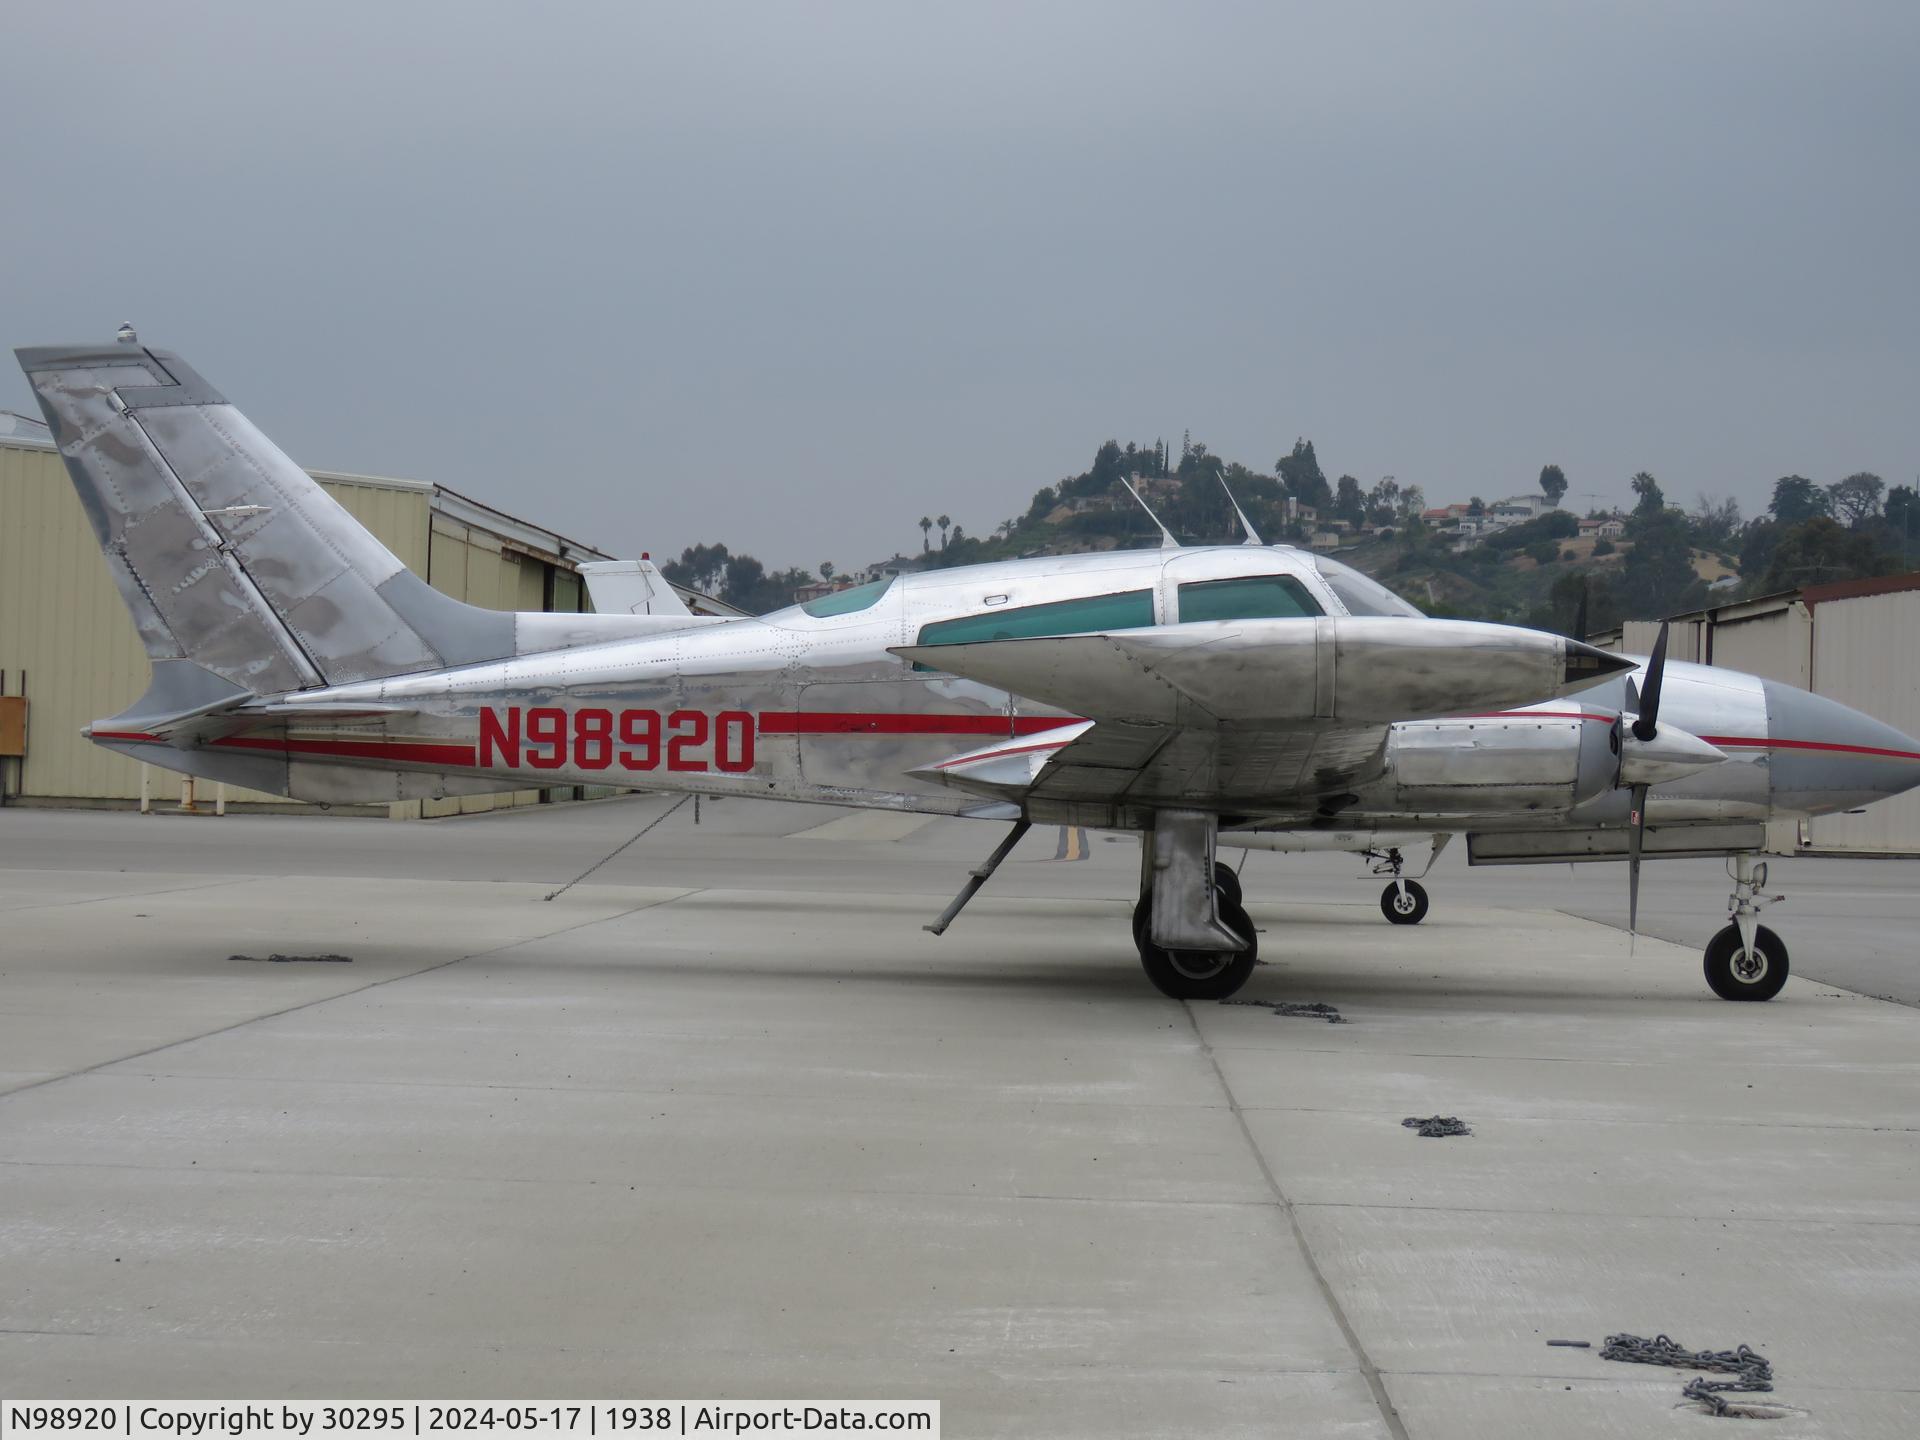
(1111, 762)
(1260, 715)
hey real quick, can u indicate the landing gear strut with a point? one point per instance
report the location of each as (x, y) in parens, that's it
(1746, 961)
(1196, 941)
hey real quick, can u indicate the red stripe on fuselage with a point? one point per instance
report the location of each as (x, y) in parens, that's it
(415, 752)
(845, 722)
(1746, 743)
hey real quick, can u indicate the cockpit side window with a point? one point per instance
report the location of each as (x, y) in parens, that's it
(1250, 597)
(1128, 610)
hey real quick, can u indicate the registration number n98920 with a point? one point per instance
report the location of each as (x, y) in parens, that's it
(546, 737)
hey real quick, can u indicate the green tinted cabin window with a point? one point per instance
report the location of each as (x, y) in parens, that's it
(1130, 610)
(845, 602)
(1254, 597)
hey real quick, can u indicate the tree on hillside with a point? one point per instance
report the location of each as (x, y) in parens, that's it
(1856, 499)
(1476, 506)
(1383, 501)
(1300, 472)
(1658, 574)
(943, 522)
(1715, 522)
(1796, 498)
(1603, 604)
(1902, 518)
(1651, 501)
(1757, 544)
(926, 524)
(1819, 550)
(1553, 482)
(826, 570)
(1348, 501)
(700, 567)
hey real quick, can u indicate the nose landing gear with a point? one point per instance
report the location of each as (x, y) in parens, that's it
(1746, 960)
(1404, 901)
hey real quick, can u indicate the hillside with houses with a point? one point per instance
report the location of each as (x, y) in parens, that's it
(1520, 558)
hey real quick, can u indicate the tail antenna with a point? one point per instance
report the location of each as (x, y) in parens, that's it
(1167, 542)
(1253, 535)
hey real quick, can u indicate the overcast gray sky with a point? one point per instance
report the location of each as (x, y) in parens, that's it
(792, 276)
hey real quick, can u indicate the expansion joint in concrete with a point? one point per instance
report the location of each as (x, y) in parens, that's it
(1370, 1372)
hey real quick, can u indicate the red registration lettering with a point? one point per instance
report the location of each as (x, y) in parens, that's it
(689, 733)
(498, 739)
(546, 727)
(592, 739)
(733, 741)
(640, 739)
(551, 738)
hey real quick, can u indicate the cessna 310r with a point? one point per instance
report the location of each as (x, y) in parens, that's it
(1260, 694)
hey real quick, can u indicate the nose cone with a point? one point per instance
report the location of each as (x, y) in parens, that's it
(1826, 756)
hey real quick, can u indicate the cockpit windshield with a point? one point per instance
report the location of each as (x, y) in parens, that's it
(845, 602)
(1361, 595)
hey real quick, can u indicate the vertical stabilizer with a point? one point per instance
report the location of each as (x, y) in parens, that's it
(631, 587)
(228, 554)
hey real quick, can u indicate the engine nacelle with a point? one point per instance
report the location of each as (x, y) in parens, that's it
(1544, 762)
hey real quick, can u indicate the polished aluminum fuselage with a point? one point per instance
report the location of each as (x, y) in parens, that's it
(796, 706)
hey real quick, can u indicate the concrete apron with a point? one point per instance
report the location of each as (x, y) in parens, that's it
(740, 1142)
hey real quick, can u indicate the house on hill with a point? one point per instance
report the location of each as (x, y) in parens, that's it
(1520, 508)
(1610, 527)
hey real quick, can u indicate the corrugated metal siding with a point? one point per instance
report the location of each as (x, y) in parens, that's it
(1867, 655)
(1777, 645)
(62, 620)
(63, 623)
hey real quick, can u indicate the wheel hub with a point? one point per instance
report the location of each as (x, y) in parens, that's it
(1198, 964)
(1750, 965)
(1403, 902)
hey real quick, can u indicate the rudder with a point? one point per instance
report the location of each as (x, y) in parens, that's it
(228, 555)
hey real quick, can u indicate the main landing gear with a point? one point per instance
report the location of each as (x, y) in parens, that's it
(1746, 961)
(1195, 939)
(1200, 974)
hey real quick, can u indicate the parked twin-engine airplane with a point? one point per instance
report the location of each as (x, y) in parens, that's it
(1261, 694)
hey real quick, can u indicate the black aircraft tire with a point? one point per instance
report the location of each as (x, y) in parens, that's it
(1724, 976)
(1227, 883)
(1197, 975)
(1409, 909)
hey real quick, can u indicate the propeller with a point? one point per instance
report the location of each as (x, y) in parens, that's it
(1645, 727)
(1580, 613)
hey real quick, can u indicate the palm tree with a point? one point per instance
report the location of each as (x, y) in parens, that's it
(943, 522)
(926, 524)
(826, 570)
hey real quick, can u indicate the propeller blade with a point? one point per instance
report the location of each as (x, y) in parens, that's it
(1645, 725)
(1580, 614)
(1636, 831)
